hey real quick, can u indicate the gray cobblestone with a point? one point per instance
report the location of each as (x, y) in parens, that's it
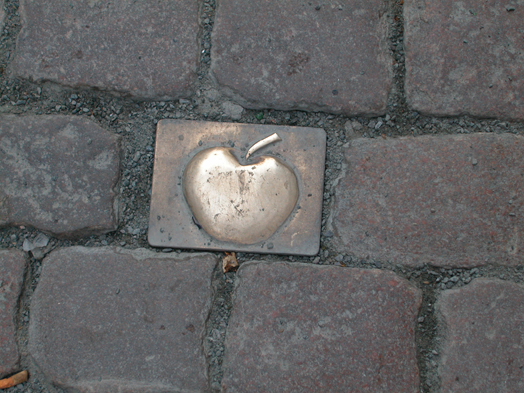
(300, 55)
(132, 320)
(12, 267)
(59, 174)
(141, 49)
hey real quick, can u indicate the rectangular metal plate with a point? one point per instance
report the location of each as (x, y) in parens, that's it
(172, 222)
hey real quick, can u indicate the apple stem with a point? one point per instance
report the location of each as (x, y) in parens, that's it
(264, 142)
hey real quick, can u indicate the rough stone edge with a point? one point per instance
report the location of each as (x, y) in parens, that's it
(250, 264)
(140, 254)
(417, 292)
(410, 94)
(236, 97)
(416, 99)
(22, 257)
(114, 190)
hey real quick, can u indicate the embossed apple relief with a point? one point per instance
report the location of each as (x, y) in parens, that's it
(238, 203)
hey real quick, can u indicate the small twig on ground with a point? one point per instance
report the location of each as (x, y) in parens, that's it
(14, 380)
(229, 262)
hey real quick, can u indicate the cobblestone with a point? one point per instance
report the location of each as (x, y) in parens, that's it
(132, 320)
(446, 200)
(12, 267)
(301, 55)
(465, 58)
(141, 49)
(483, 350)
(297, 328)
(2, 14)
(59, 174)
(443, 210)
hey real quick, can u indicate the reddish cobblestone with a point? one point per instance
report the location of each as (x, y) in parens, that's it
(298, 55)
(483, 351)
(465, 57)
(446, 200)
(108, 320)
(12, 267)
(141, 49)
(59, 174)
(307, 328)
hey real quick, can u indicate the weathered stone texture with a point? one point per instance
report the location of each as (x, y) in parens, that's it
(483, 351)
(139, 48)
(59, 174)
(302, 55)
(108, 320)
(446, 200)
(2, 14)
(465, 57)
(12, 267)
(307, 328)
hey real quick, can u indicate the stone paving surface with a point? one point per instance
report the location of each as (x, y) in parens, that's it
(12, 267)
(59, 174)
(442, 211)
(465, 57)
(305, 328)
(483, 350)
(132, 320)
(139, 49)
(303, 55)
(446, 200)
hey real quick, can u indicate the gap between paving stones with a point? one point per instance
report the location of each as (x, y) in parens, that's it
(216, 325)
(135, 121)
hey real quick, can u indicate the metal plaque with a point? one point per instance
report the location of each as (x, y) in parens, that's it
(237, 187)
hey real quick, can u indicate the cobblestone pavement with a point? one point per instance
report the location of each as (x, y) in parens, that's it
(418, 283)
